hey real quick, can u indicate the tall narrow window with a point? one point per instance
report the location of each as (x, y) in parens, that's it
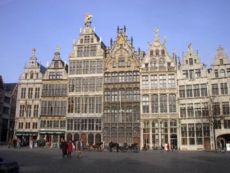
(145, 82)
(224, 88)
(225, 108)
(145, 104)
(182, 91)
(204, 91)
(196, 90)
(154, 100)
(215, 90)
(189, 90)
(163, 103)
(172, 103)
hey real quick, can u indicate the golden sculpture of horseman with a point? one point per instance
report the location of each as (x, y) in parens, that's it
(88, 18)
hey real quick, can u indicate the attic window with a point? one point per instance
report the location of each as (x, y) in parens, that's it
(190, 61)
(121, 62)
(87, 39)
(157, 52)
(221, 62)
(151, 52)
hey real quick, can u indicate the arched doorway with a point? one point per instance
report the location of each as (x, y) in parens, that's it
(76, 137)
(69, 137)
(84, 139)
(98, 138)
(90, 139)
(222, 140)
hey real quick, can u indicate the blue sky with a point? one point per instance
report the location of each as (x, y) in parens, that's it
(45, 24)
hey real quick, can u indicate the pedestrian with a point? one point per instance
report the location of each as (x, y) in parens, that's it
(79, 149)
(69, 149)
(18, 143)
(63, 147)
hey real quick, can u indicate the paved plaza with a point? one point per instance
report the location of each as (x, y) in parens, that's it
(44, 160)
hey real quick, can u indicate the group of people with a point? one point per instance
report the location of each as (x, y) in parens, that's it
(69, 147)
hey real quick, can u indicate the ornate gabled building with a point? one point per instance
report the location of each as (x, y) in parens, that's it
(193, 102)
(28, 101)
(122, 95)
(219, 84)
(121, 92)
(54, 101)
(159, 116)
(85, 94)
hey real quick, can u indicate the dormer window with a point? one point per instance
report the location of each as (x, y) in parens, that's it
(92, 40)
(228, 72)
(87, 39)
(151, 52)
(216, 73)
(31, 75)
(221, 62)
(163, 52)
(56, 64)
(81, 41)
(186, 61)
(128, 63)
(190, 61)
(222, 73)
(153, 62)
(157, 52)
(121, 62)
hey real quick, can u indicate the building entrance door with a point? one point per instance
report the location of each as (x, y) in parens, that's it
(207, 145)
(173, 141)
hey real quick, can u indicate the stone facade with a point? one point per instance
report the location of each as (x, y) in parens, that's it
(122, 95)
(85, 97)
(159, 117)
(121, 92)
(54, 101)
(28, 104)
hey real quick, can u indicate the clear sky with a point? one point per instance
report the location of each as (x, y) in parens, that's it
(45, 24)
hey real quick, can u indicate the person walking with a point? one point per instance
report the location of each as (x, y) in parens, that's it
(79, 149)
(69, 149)
(63, 147)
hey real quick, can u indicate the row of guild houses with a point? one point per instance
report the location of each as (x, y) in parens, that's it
(122, 95)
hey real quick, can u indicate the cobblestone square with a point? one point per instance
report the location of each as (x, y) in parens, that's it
(44, 160)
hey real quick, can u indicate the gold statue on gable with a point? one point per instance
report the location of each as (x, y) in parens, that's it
(88, 18)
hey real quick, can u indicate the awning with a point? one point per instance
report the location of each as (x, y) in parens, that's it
(52, 132)
(26, 133)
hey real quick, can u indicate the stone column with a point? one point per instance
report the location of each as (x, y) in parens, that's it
(150, 133)
(141, 134)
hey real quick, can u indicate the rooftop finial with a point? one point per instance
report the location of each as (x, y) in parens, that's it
(190, 46)
(33, 52)
(88, 18)
(156, 31)
(58, 49)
